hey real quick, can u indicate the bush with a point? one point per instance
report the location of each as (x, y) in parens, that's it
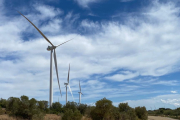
(82, 108)
(88, 110)
(123, 107)
(126, 112)
(70, 105)
(70, 115)
(103, 110)
(56, 108)
(141, 112)
(3, 103)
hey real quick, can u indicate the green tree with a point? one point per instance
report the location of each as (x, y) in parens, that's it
(82, 108)
(13, 105)
(126, 112)
(56, 107)
(103, 110)
(3, 103)
(124, 107)
(41, 105)
(141, 112)
(70, 105)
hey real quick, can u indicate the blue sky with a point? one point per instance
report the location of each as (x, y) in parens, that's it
(124, 50)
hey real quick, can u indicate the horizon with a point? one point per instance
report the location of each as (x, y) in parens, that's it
(124, 50)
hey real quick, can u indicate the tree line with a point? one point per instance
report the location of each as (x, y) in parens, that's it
(31, 109)
(166, 112)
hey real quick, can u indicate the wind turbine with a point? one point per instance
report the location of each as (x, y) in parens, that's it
(80, 93)
(52, 49)
(67, 85)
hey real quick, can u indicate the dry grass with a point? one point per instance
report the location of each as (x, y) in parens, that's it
(52, 117)
(6, 117)
(85, 118)
(159, 118)
(47, 117)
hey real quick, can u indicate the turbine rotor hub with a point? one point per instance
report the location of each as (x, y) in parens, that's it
(49, 48)
(66, 84)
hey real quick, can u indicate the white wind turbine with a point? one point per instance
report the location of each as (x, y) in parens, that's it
(80, 93)
(50, 48)
(67, 85)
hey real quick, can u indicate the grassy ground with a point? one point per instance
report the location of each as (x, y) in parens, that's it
(159, 118)
(47, 117)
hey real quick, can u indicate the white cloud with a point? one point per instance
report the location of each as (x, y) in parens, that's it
(174, 92)
(151, 48)
(85, 3)
(121, 77)
(161, 101)
(126, 0)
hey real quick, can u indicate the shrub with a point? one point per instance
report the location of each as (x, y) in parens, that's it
(123, 107)
(3, 103)
(103, 110)
(70, 105)
(82, 108)
(70, 115)
(141, 112)
(56, 108)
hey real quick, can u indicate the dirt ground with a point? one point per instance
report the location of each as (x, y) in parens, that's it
(159, 118)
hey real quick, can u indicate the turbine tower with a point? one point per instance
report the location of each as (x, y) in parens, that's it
(51, 49)
(80, 93)
(67, 85)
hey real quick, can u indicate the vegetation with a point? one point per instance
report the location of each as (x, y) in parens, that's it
(166, 112)
(31, 109)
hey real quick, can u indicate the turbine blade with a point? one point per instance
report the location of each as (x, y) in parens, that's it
(71, 91)
(55, 62)
(65, 42)
(79, 86)
(68, 74)
(36, 28)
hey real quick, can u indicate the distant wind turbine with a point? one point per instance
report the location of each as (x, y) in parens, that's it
(50, 48)
(67, 85)
(80, 93)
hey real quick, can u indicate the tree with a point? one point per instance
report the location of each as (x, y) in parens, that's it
(70, 115)
(141, 112)
(3, 103)
(103, 110)
(82, 108)
(70, 105)
(56, 107)
(13, 105)
(126, 112)
(124, 107)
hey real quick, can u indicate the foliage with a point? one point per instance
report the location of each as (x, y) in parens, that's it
(103, 110)
(141, 112)
(3, 103)
(88, 110)
(25, 108)
(70, 105)
(82, 108)
(56, 108)
(123, 107)
(70, 115)
(126, 112)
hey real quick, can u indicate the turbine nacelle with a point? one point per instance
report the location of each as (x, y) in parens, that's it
(66, 84)
(49, 48)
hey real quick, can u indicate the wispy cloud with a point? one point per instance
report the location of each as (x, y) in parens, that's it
(85, 3)
(122, 76)
(174, 92)
(148, 46)
(125, 0)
